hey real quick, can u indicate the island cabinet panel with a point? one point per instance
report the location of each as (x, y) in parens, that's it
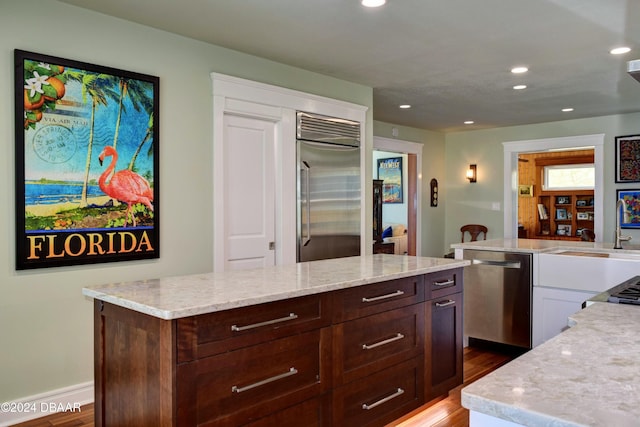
(215, 333)
(240, 386)
(134, 368)
(446, 362)
(362, 301)
(375, 342)
(381, 397)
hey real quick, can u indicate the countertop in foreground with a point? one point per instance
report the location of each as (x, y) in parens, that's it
(588, 375)
(175, 297)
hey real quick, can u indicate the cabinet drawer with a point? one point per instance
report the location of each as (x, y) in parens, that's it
(311, 413)
(245, 385)
(372, 343)
(443, 283)
(215, 333)
(370, 299)
(380, 398)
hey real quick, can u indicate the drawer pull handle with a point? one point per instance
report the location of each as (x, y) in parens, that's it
(290, 372)
(381, 297)
(237, 328)
(445, 304)
(379, 343)
(399, 392)
(445, 283)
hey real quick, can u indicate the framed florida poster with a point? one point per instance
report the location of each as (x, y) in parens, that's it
(86, 163)
(390, 171)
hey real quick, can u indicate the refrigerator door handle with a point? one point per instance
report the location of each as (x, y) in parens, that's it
(307, 169)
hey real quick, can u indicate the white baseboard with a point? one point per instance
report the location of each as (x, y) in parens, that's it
(67, 399)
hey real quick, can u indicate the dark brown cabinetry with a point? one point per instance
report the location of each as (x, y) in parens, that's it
(360, 356)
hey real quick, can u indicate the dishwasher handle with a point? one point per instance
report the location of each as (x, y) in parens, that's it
(504, 264)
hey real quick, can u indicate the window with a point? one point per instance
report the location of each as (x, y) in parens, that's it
(570, 177)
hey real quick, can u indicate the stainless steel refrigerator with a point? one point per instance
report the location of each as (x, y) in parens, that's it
(328, 187)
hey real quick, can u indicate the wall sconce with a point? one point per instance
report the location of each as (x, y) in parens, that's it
(472, 173)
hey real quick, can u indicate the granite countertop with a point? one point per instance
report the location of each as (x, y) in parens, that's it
(182, 296)
(544, 246)
(588, 375)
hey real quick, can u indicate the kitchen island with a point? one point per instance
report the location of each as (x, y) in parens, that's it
(588, 375)
(333, 342)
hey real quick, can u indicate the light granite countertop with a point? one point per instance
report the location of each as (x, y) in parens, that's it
(175, 297)
(544, 246)
(588, 375)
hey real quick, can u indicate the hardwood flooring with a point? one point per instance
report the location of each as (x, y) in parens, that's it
(478, 361)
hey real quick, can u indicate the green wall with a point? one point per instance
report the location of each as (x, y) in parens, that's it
(433, 152)
(473, 203)
(46, 335)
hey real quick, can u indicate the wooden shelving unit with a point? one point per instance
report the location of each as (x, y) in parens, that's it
(568, 213)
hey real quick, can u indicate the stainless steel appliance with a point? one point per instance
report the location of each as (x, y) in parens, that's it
(627, 292)
(497, 297)
(328, 187)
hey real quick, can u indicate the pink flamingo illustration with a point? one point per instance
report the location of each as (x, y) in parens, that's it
(125, 185)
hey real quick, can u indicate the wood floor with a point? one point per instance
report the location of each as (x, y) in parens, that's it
(478, 361)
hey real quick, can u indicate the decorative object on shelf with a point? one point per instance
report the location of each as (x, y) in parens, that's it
(628, 158)
(525, 190)
(561, 214)
(581, 203)
(563, 200)
(563, 230)
(390, 171)
(630, 215)
(70, 117)
(542, 211)
(582, 216)
(434, 192)
(472, 173)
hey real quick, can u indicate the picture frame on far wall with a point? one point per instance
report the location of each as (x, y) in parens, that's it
(630, 214)
(390, 172)
(87, 163)
(627, 158)
(525, 190)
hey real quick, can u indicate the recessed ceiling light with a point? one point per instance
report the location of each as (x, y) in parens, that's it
(405, 106)
(620, 50)
(519, 70)
(567, 110)
(469, 122)
(520, 87)
(373, 3)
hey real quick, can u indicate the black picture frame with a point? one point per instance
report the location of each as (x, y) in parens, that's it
(627, 158)
(70, 209)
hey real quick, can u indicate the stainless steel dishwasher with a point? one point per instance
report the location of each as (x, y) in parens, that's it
(497, 297)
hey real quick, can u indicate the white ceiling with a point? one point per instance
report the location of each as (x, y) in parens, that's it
(449, 59)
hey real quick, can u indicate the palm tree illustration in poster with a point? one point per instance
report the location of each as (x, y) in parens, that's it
(86, 163)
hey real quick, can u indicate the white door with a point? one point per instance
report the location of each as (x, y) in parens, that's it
(249, 195)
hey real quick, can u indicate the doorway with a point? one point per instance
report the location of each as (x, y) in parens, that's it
(407, 213)
(513, 149)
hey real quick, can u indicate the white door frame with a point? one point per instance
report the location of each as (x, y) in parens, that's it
(407, 147)
(511, 150)
(233, 95)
